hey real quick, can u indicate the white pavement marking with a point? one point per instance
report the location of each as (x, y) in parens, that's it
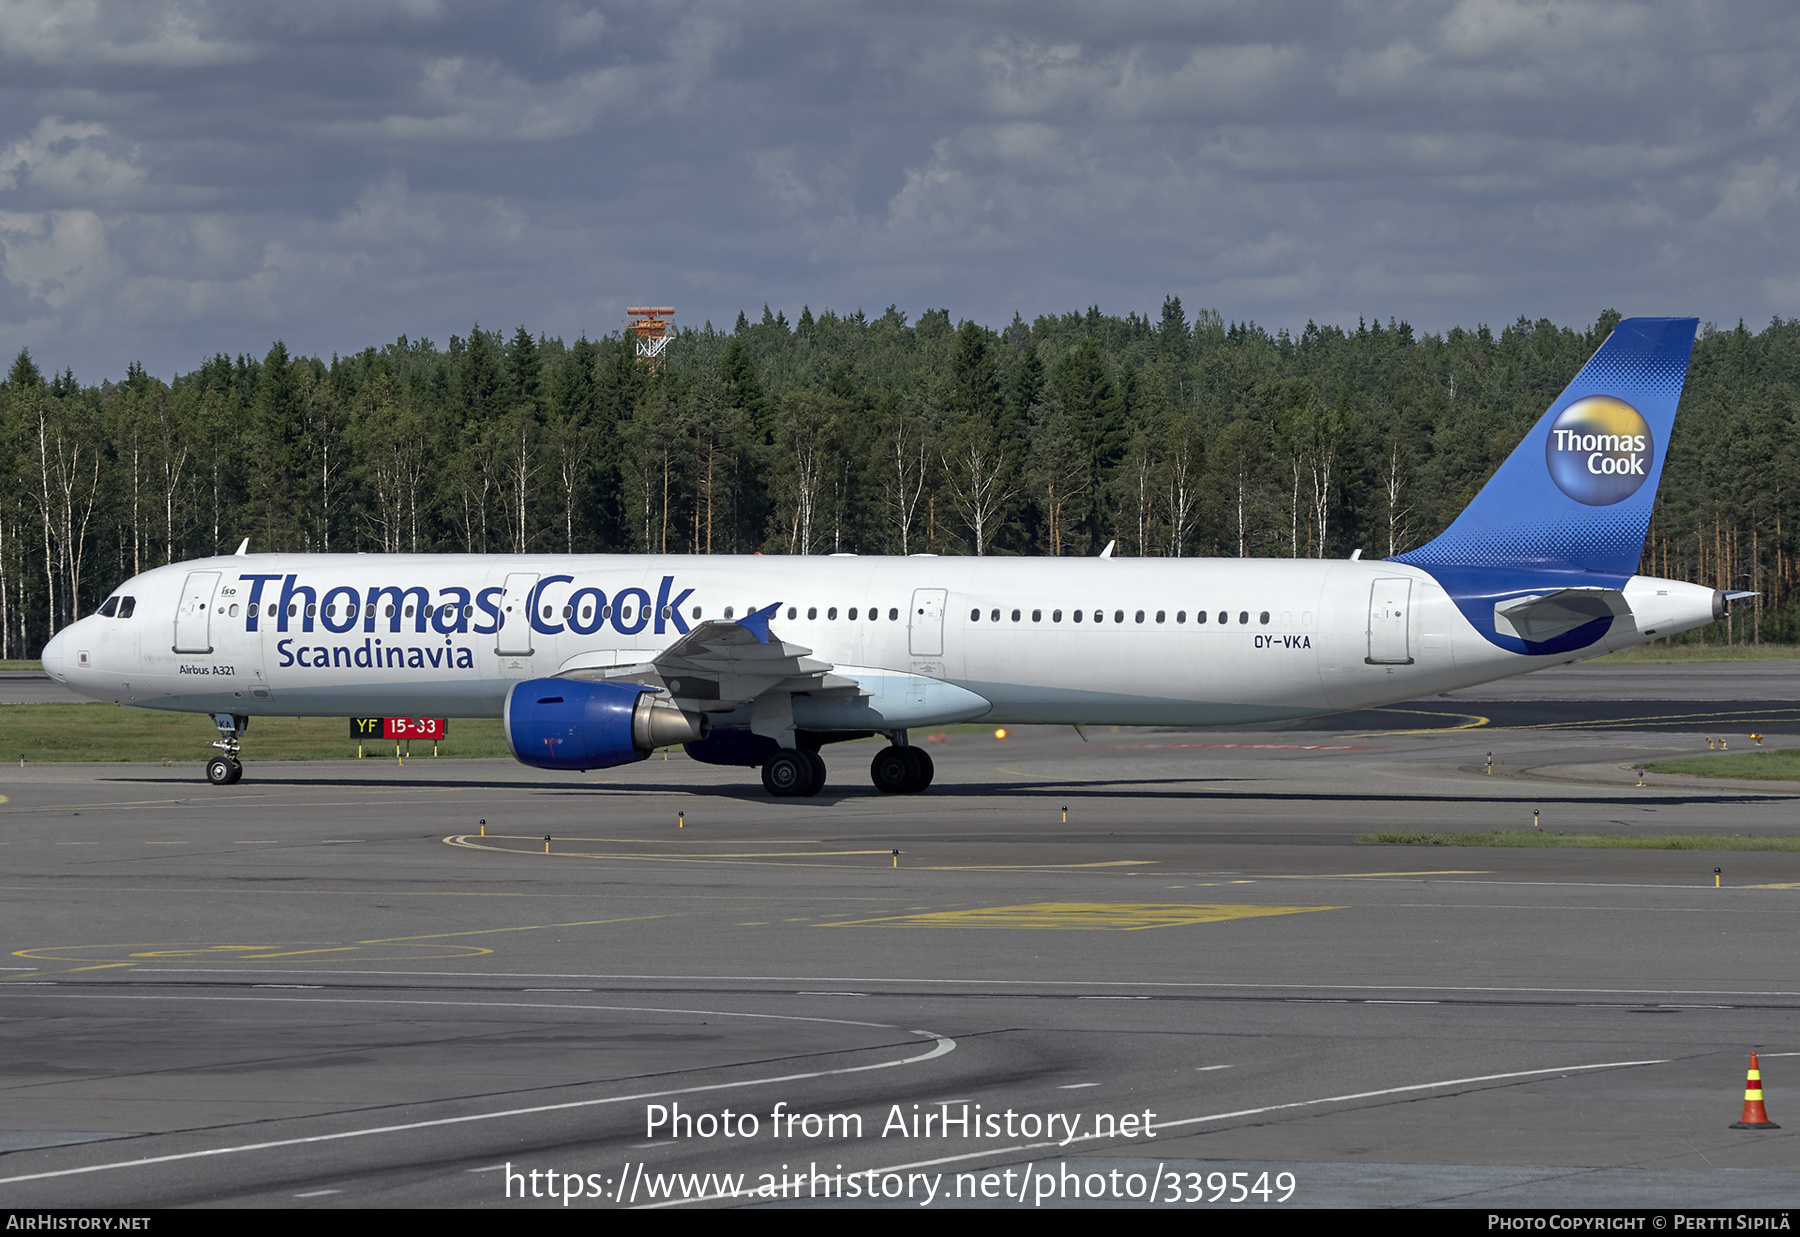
(943, 1044)
(1217, 1116)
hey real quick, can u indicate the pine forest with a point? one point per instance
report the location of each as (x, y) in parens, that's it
(880, 435)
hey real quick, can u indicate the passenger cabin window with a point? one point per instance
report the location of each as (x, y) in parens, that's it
(1140, 616)
(893, 614)
(1037, 616)
(974, 616)
(1015, 617)
(1056, 616)
(852, 615)
(793, 612)
(1224, 617)
(831, 613)
(1243, 616)
(1181, 616)
(995, 616)
(812, 612)
(728, 611)
(1265, 618)
(1077, 616)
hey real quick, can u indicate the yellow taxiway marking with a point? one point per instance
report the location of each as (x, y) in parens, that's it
(535, 927)
(1115, 916)
(1027, 867)
(270, 951)
(264, 800)
(1474, 721)
(1331, 876)
(1789, 885)
(1098, 777)
(254, 953)
(474, 842)
(539, 839)
(1603, 723)
(40, 973)
(303, 953)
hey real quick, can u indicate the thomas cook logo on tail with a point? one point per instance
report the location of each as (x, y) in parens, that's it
(1600, 451)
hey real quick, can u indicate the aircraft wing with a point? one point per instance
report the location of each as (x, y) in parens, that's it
(725, 663)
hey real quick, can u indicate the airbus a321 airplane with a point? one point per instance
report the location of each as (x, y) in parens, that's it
(597, 660)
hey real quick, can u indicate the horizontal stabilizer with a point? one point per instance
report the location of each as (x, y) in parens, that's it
(1536, 619)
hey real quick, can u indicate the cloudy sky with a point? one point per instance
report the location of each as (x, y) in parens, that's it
(179, 179)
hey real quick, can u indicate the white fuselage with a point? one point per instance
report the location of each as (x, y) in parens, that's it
(1282, 638)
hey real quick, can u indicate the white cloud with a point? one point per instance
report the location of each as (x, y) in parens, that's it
(476, 99)
(579, 26)
(67, 163)
(1752, 192)
(79, 33)
(59, 257)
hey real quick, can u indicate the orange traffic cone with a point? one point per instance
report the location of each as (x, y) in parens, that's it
(1755, 1118)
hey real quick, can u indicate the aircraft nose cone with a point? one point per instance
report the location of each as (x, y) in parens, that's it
(55, 656)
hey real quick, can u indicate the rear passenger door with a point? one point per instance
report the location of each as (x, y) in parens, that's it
(925, 623)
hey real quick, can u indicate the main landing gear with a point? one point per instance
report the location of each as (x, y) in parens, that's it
(796, 773)
(225, 768)
(793, 773)
(901, 770)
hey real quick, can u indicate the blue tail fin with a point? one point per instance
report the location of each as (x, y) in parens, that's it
(1576, 494)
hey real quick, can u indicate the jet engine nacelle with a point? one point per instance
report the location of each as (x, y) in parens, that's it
(572, 724)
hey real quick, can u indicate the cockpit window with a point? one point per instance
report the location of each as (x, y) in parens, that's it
(126, 606)
(110, 607)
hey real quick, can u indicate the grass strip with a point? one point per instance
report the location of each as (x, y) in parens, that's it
(1588, 841)
(1661, 653)
(1781, 766)
(76, 732)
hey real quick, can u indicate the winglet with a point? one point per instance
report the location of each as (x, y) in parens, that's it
(243, 547)
(1107, 552)
(757, 622)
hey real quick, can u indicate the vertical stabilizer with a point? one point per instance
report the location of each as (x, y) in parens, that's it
(1576, 494)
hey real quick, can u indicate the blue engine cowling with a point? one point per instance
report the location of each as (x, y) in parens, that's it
(575, 724)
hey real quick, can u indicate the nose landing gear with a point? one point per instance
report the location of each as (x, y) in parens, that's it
(225, 768)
